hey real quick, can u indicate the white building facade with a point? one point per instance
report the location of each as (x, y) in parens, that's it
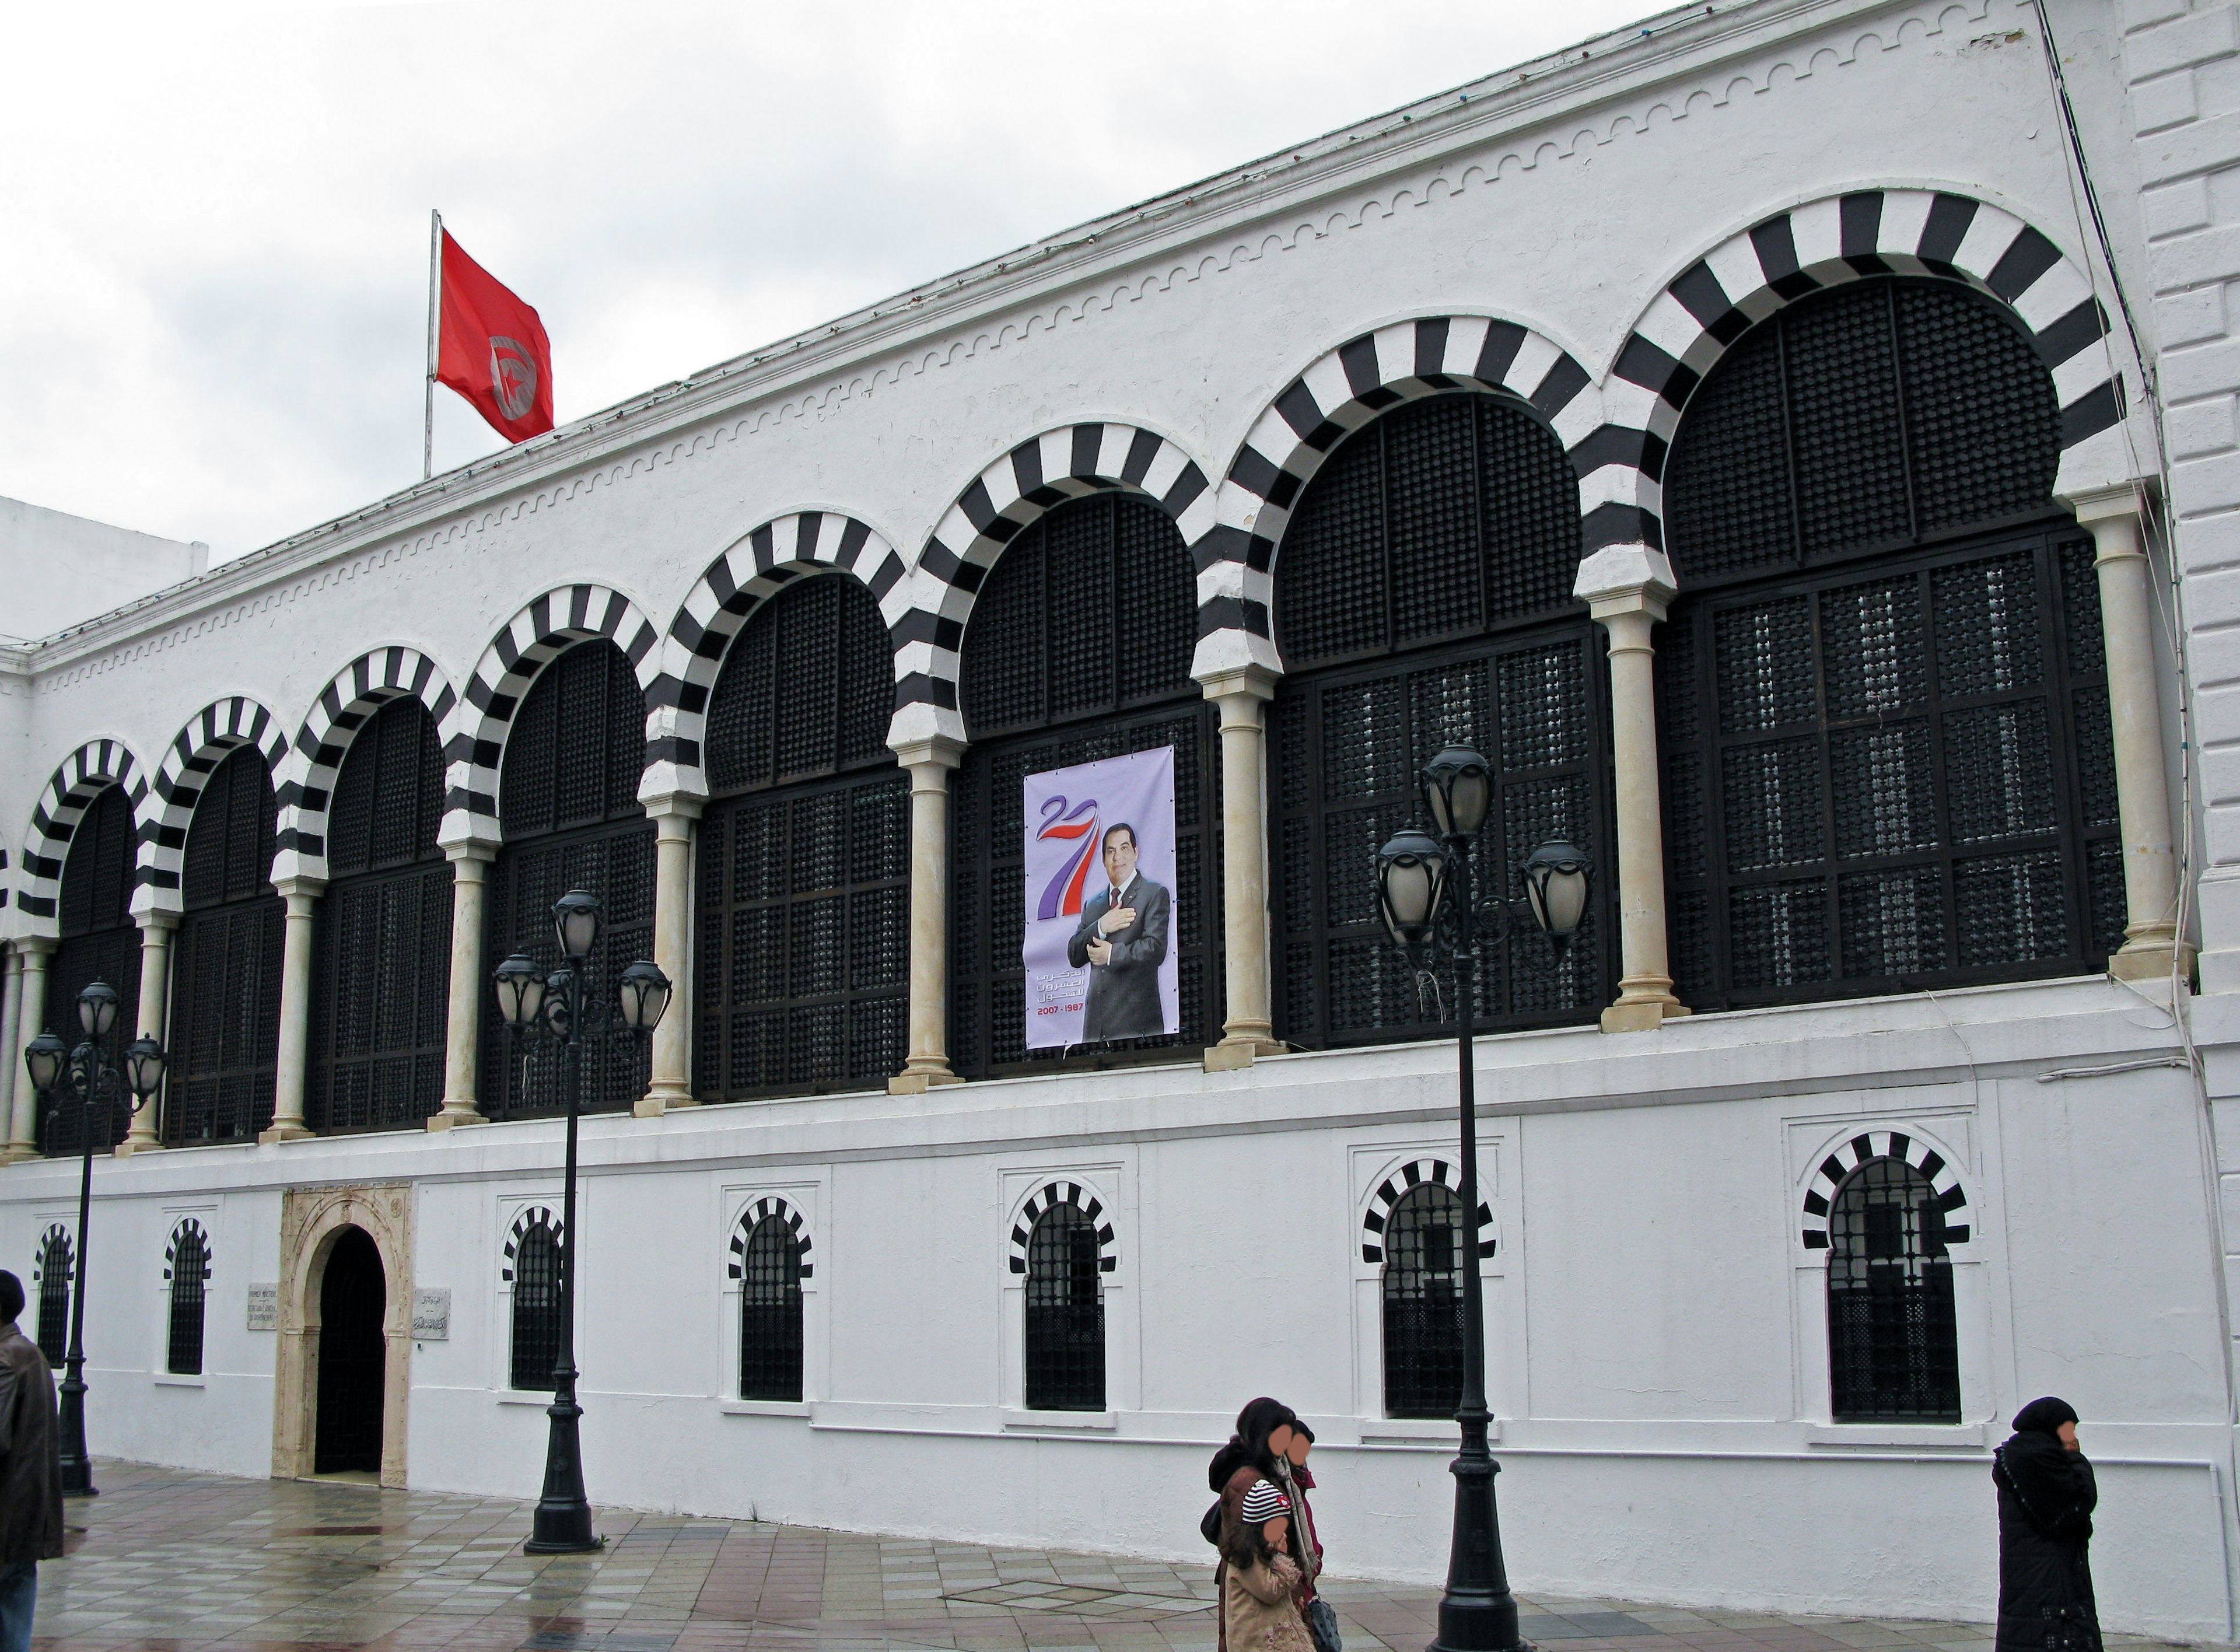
(1743, 429)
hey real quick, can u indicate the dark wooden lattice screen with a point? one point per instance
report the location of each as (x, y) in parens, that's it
(804, 955)
(568, 804)
(1082, 634)
(225, 968)
(189, 1271)
(1065, 1314)
(1424, 1253)
(535, 1306)
(383, 957)
(1893, 1345)
(1884, 714)
(57, 1273)
(1423, 598)
(99, 942)
(769, 1314)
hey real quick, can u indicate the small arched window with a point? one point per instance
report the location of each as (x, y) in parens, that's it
(187, 1267)
(536, 1266)
(225, 972)
(769, 1313)
(1893, 1344)
(382, 946)
(54, 1276)
(1426, 1247)
(99, 942)
(1065, 1313)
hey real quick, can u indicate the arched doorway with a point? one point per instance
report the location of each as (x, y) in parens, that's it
(353, 1299)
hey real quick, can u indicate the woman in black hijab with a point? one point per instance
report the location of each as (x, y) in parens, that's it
(2046, 1499)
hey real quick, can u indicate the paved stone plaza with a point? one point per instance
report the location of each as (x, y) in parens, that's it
(164, 1560)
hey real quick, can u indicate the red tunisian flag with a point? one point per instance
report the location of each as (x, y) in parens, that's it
(493, 349)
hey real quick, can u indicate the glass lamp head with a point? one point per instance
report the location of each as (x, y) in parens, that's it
(1457, 790)
(520, 990)
(96, 1009)
(645, 993)
(1411, 881)
(43, 1058)
(1558, 876)
(576, 917)
(143, 1066)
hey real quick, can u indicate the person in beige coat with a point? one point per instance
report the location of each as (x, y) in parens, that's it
(1260, 1583)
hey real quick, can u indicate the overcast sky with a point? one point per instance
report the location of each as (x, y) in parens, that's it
(214, 218)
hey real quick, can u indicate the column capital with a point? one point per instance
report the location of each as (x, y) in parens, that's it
(942, 751)
(1626, 579)
(37, 946)
(158, 918)
(1249, 678)
(2096, 505)
(472, 851)
(674, 805)
(301, 884)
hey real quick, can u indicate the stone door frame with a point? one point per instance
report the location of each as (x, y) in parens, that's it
(311, 1219)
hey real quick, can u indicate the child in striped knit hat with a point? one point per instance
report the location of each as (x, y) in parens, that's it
(1260, 1583)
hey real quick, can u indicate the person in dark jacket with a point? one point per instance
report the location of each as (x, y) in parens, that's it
(31, 1470)
(2046, 1499)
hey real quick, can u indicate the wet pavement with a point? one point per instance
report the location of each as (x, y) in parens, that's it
(173, 1562)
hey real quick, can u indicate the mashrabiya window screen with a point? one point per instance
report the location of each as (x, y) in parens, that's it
(1893, 1344)
(804, 956)
(383, 936)
(770, 1313)
(55, 1274)
(188, 1269)
(99, 942)
(568, 804)
(225, 970)
(536, 1317)
(1065, 1314)
(1078, 649)
(1425, 1250)
(1423, 599)
(1883, 767)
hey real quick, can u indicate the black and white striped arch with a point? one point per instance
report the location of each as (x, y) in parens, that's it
(306, 789)
(717, 609)
(1069, 463)
(475, 744)
(81, 777)
(180, 1231)
(1847, 1157)
(54, 1248)
(1042, 1201)
(1377, 1216)
(753, 1217)
(535, 1216)
(1689, 326)
(211, 736)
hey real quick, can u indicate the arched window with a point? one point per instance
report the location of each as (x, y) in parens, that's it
(1065, 1313)
(1883, 706)
(535, 1253)
(383, 950)
(803, 955)
(1423, 598)
(99, 942)
(54, 1276)
(568, 805)
(1426, 1247)
(225, 971)
(1078, 649)
(1893, 1347)
(769, 1312)
(187, 1266)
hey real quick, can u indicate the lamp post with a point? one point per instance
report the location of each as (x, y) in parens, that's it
(85, 1075)
(551, 1004)
(1428, 901)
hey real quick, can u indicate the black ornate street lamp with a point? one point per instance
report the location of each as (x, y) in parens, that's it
(551, 1005)
(85, 1075)
(1428, 901)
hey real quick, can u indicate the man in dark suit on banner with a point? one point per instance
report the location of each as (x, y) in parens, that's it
(1122, 943)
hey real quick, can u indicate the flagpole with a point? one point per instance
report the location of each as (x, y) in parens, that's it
(435, 289)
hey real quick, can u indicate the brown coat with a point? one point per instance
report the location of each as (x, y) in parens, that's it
(1259, 1612)
(1232, 1511)
(30, 1455)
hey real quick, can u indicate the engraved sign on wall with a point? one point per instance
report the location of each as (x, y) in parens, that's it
(264, 1307)
(431, 1315)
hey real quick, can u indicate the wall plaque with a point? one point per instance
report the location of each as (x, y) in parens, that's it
(264, 1307)
(431, 1315)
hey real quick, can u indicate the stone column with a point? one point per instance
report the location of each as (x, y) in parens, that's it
(31, 1021)
(670, 1081)
(1629, 589)
(462, 1009)
(155, 928)
(2150, 949)
(928, 760)
(11, 1042)
(301, 894)
(1247, 1031)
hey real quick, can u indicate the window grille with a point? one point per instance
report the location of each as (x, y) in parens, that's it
(1882, 708)
(1893, 1345)
(226, 971)
(189, 1271)
(769, 1314)
(1065, 1314)
(99, 942)
(568, 800)
(1426, 1246)
(536, 1305)
(383, 940)
(1423, 598)
(353, 1356)
(1078, 649)
(56, 1274)
(803, 954)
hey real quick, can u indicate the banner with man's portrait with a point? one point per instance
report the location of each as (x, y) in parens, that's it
(1100, 906)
